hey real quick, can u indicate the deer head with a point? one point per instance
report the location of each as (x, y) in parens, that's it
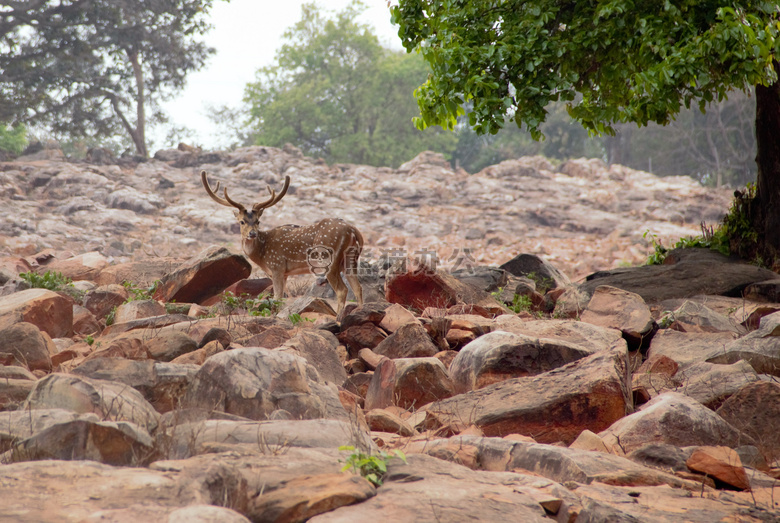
(326, 248)
(249, 220)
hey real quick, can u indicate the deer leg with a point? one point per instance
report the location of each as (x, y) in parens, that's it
(357, 290)
(334, 278)
(278, 279)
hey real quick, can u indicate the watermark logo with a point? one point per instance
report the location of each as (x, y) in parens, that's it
(319, 258)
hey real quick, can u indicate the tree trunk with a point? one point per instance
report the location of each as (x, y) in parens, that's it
(766, 205)
(139, 134)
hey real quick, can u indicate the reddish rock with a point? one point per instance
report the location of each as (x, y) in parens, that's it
(721, 463)
(271, 338)
(363, 336)
(84, 322)
(618, 309)
(370, 358)
(197, 357)
(411, 340)
(101, 300)
(395, 316)
(457, 338)
(382, 386)
(421, 289)
(358, 383)
(755, 410)
(129, 348)
(674, 419)
(138, 309)
(381, 420)
(206, 274)
(85, 266)
(590, 393)
(47, 310)
(420, 381)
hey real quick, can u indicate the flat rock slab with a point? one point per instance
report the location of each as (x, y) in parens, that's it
(687, 348)
(760, 348)
(556, 463)
(427, 489)
(590, 393)
(589, 337)
(276, 435)
(79, 490)
(663, 504)
(694, 271)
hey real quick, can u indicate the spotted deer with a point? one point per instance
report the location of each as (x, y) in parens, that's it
(326, 248)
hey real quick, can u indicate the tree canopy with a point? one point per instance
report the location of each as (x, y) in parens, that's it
(610, 61)
(335, 92)
(95, 68)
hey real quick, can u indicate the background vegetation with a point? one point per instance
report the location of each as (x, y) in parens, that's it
(333, 90)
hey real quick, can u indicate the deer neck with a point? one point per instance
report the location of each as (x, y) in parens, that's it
(255, 248)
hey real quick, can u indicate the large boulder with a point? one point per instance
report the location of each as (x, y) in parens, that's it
(554, 406)
(499, 356)
(255, 382)
(205, 274)
(615, 308)
(47, 310)
(675, 419)
(27, 346)
(755, 409)
(109, 400)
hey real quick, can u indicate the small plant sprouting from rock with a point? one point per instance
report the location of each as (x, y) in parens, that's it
(139, 293)
(296, 318)
(373, 468)
(263, 305)
(89, 340)
(53, 281)
(735, 234)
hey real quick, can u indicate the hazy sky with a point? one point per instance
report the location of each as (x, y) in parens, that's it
(246, 35)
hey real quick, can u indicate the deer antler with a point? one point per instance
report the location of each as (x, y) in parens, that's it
(274, 198)
(226, 201)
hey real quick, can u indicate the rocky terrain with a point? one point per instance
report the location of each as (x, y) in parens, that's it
(581, 215)
(162, 384)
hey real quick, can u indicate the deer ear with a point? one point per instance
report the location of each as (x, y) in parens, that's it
(236, 214)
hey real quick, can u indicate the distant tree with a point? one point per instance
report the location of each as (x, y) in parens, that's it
(97, 67)
(12, 139)
(335, 92)
(717, 147)
(611, 61)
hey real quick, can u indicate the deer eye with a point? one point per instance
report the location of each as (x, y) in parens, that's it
(242, 222)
